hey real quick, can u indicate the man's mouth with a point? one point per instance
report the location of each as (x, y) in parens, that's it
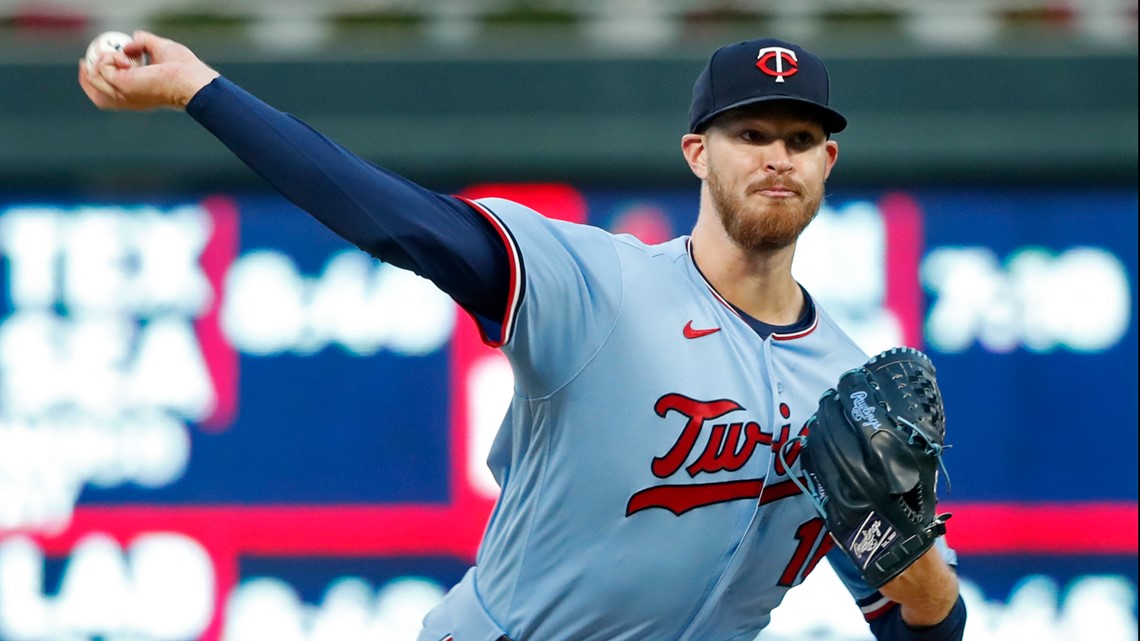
(775, 191)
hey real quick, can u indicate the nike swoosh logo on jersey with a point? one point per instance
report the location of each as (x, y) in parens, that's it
(697, 333)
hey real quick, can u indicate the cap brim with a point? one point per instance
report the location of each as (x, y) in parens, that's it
(832, 121)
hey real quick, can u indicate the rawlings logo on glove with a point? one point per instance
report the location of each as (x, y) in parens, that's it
(872, 456)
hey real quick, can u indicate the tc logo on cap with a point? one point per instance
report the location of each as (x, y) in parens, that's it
(780, 56)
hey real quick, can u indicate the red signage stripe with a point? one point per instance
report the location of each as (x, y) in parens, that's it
(221, 359)
(1043, 528)
(977, 528)
(302, 530)
(904, 245)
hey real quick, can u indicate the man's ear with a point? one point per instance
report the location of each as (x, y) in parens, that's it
(832, 155)
(695, 149)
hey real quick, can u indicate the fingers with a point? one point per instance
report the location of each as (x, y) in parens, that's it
(118, 58)
(142, 43)
(145, 38)
(93, 94)
(106, 83)
(98, 90)
(156, 48)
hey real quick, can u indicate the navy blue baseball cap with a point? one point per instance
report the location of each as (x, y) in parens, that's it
(763, 70)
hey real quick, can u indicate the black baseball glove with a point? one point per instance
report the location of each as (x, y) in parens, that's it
(872, 455)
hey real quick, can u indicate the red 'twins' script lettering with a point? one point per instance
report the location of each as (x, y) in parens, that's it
(697, 412)
(722, 452)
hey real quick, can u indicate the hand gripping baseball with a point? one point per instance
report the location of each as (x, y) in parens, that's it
(172, 77)
(872, 455)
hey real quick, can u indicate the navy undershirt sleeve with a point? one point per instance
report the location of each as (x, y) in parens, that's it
(891, 627)
(436, 236)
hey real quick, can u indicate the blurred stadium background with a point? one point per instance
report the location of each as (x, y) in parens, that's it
(219, 422)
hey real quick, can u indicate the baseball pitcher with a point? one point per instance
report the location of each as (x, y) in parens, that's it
(690, 432)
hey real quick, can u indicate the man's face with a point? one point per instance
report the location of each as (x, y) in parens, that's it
(766, 168)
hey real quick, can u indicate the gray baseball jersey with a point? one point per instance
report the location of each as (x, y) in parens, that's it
(645, 479)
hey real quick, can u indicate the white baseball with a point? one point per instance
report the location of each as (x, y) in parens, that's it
(106, 41)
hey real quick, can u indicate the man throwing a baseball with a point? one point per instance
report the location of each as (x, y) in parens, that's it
(652, 483)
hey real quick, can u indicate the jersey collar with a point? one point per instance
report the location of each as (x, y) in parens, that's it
(805, 325)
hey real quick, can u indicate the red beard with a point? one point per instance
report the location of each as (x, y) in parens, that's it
(764, 224)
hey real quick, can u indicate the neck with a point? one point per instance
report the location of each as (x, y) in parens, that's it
(759, 282)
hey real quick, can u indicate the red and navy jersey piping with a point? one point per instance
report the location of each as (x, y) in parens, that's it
(517, 279)
(875, 606)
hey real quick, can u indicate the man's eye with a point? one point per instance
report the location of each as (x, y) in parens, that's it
(802, 140)
(751, 135)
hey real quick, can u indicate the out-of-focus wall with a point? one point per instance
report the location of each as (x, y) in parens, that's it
(1029, 92)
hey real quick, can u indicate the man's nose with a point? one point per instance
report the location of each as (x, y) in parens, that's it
(778, 159)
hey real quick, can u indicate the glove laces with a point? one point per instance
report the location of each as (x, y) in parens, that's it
(805, 483)
(917, 437)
